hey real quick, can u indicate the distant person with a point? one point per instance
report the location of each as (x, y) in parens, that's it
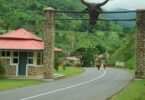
(104, 65)
(98, 65)
(82, 64)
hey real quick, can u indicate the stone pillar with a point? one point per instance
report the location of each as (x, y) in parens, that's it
(49, 43)
(140, 44)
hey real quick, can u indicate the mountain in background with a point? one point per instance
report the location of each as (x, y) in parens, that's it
(123, 16)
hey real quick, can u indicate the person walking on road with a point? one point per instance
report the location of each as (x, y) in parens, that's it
(104, 65)
(98, 65)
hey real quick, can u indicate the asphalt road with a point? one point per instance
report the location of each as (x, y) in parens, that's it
(91, 85)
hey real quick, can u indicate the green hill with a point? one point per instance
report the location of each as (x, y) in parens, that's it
(126, 53)
(70, 35)
(123, 16)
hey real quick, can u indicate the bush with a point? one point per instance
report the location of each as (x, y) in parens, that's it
(68, 65)
(2, 70)
(56, 65)
(88, 59)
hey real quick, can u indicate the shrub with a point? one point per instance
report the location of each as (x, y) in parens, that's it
(56, 65)
(68, 65)
(64, 67)
(2, 70)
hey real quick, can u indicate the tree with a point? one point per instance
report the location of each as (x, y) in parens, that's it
(101, 49)
(88, 56)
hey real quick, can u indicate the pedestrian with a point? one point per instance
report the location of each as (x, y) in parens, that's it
(104, 65)
(98, 65)
(81, 64)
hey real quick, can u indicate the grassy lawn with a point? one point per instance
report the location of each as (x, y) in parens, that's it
(135, 91)
(6, 84)
(69, 71)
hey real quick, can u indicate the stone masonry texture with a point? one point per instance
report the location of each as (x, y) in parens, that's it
(49, 43)
(140, 44)
(35, 71)
(9, 70)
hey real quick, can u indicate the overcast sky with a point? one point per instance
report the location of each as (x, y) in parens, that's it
(127, 4)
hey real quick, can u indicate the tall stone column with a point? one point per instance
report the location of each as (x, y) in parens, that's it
(49, 43)
(140, 44)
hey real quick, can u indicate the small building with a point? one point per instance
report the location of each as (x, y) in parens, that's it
(73, 59)
(21, 54)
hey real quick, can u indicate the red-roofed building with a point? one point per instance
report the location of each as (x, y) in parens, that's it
(21, 53)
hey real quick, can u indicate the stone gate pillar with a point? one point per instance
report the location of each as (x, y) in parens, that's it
(140, 44)
(49, 35)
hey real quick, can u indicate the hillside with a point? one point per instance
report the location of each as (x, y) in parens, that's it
(70, 35)
(123, 16)
(126, 53)
(28, 14)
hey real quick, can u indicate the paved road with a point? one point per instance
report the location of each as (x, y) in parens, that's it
(91, 85)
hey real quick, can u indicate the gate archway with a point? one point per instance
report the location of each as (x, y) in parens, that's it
(49, 36)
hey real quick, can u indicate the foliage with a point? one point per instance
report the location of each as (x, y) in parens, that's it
(2, 70)
(57, 61)
(28, 14)
(70, 35)
(68, 65)
(56, 64)
(88, 56)
(101, 49)
(126, 53)
(69, 71)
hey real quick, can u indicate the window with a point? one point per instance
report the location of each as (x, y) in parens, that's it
(30, 54)
(30, 57)
(39, 58)
(15, 54)
(30, 61)
(5, 53)
(15, 59)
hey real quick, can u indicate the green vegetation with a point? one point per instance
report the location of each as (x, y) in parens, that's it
(6, 84)
(135, 91)
(70, 35)
(2, 70)
(126, 52)
(69, 71)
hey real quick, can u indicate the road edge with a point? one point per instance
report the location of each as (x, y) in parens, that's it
(133, 78)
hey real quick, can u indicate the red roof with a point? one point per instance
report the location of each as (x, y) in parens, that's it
(22, 40)
(20, 34)
(58, 50)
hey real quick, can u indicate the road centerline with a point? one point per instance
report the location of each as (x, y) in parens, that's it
(75, 85)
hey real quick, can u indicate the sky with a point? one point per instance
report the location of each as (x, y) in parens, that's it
(126, 4)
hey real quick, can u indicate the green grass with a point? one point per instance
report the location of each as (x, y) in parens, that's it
(135, 91)
(6, 84)
(69, 71)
